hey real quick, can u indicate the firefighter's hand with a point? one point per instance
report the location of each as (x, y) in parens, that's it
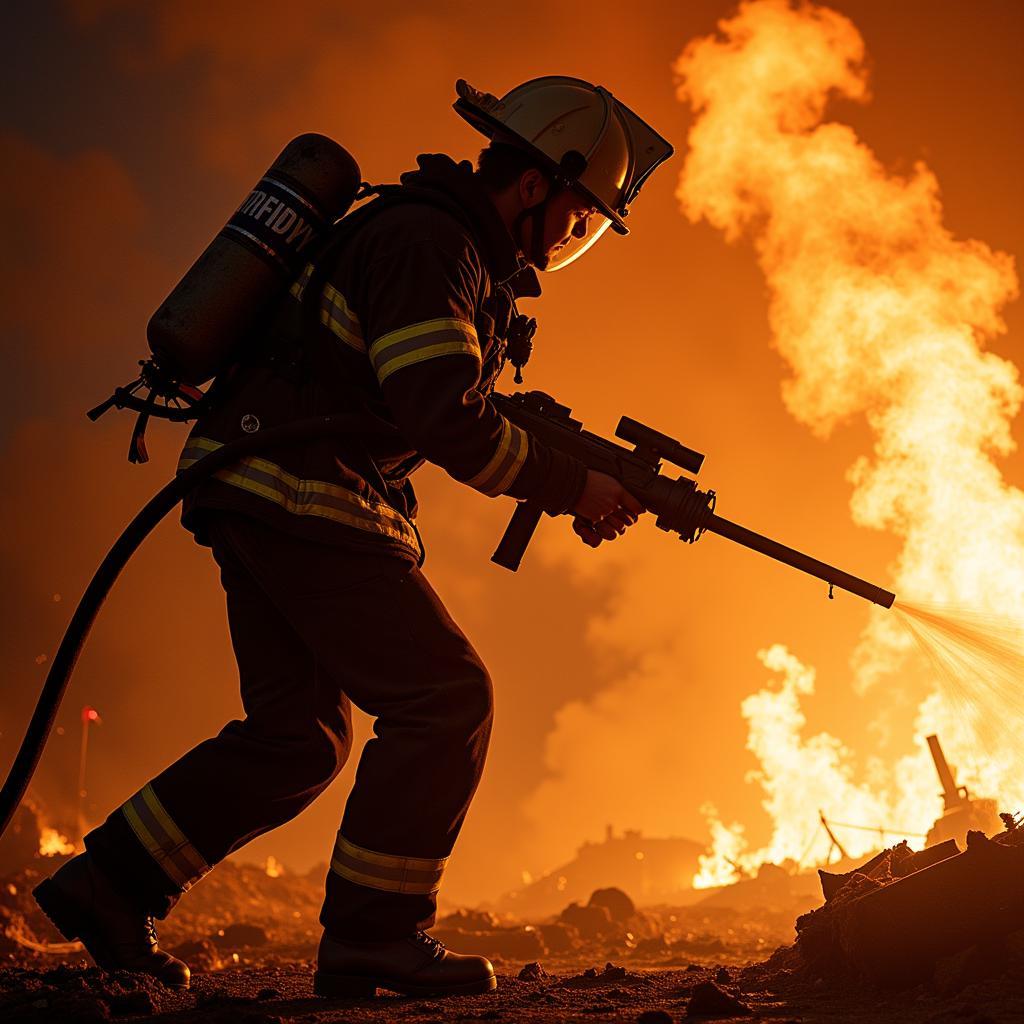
(605, 509)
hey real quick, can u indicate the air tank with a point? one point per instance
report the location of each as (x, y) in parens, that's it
(261, 249)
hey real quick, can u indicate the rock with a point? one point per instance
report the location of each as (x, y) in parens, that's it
(592, 977)
(533, 971)
(471, 921)
(654, 1017)
(241, 935)
(708, 1000)
(656, 945)
(558, 937)
(722, 976)
(619, 906)
(590, 921)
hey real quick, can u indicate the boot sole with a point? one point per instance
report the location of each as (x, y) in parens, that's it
(354, 986)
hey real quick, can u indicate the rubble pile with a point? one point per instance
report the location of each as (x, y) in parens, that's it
(237, 914)
(609, 926)
(899, 919)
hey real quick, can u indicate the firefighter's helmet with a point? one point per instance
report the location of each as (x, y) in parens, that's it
(582, 136)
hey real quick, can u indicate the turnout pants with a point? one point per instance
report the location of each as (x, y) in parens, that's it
(314, 627)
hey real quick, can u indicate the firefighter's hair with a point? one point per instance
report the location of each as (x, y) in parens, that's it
(500, 165)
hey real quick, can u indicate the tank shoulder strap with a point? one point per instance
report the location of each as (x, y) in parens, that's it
(385, 198)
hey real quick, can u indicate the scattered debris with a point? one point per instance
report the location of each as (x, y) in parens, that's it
(949, 922)
(708, 1000)
(533, 971)
(592, 977)
(893, 920)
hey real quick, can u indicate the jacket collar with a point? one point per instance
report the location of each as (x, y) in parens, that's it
(500, 252)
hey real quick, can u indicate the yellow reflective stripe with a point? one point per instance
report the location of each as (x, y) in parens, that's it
(390, 860)
(387, 872)
(416, 343)
(153, 847)
(163, 840)
(182, 850)
(384, 884)
(503, 466)
(336, 315)
(304, 497)
(299, 284)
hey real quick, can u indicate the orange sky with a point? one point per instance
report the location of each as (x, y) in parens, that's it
(133, 133)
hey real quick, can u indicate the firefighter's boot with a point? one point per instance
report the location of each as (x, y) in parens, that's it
(83, 904)
(418, 965)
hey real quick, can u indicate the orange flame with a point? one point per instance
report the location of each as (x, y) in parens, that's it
(878, 310)
(52, 843)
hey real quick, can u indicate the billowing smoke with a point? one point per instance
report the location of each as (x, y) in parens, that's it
(879, 311)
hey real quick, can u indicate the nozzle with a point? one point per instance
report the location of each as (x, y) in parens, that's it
(798, 560)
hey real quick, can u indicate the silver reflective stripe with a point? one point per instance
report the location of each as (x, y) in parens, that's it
(305, 497)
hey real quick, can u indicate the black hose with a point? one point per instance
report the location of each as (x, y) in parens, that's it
(117, 557)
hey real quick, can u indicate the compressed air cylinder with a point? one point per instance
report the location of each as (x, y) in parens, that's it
(262, 248)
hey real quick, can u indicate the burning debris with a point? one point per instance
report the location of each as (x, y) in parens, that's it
(898, 916)
(881, 313)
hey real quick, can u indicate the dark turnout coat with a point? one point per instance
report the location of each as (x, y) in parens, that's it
(414, 298)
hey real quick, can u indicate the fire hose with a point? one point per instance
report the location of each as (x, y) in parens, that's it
(64, 661)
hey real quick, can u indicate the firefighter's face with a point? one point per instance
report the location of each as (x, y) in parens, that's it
(570, 219)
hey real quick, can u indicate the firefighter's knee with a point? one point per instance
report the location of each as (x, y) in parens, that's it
(474, 701)
(311, 752)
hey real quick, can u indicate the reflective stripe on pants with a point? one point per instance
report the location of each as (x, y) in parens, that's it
(315, 627)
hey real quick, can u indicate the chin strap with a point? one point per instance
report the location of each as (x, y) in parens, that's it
(538, 217)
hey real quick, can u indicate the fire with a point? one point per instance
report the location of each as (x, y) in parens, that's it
(274, 868)
(879, 311)
(52, 843)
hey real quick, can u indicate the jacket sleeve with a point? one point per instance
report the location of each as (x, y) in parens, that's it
(418, 306)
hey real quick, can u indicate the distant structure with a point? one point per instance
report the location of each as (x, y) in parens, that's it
(961, 812)
(649, 870)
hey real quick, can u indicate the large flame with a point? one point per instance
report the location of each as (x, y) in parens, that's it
(878, 310)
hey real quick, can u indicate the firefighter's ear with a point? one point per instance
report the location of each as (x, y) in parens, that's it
(533, 187)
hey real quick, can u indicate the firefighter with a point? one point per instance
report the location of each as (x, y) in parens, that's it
(407, 316)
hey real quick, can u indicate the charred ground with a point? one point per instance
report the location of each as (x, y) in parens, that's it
(251, 939)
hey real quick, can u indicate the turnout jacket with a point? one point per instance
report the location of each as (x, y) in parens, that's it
(413, 298)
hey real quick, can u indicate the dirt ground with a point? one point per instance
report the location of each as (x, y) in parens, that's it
(251, 940)
(269, 995)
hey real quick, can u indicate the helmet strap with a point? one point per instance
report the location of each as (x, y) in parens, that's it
(538, 221)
